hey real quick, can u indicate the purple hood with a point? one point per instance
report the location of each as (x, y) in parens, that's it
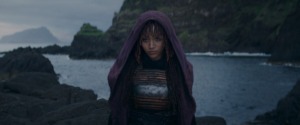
(187, 105)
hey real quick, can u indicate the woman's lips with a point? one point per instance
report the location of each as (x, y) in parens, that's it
(152, 53)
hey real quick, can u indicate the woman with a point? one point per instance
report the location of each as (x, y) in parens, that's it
(151, 79)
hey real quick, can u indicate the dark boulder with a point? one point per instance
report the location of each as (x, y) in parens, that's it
(24, 60)
(31, 83)
(210, 120)
(69, 94)
(287, 47)
(54, 49)
(30, 94)
(82, 113)
(40, 99)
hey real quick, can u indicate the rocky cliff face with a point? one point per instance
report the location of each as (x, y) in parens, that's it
(287, 47)
(268, 26)
(215, 25)
(89, 43)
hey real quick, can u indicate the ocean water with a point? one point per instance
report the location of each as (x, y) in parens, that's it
(237, 88)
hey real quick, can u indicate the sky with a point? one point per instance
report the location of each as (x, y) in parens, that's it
(62, 17)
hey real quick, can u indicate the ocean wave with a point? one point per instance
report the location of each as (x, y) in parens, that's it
(292, 65)
(230, 54)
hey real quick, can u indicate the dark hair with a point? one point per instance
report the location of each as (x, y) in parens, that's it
(153, 28)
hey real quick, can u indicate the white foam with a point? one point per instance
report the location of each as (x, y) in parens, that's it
(281, 64)
(235, 54)
(291, 65)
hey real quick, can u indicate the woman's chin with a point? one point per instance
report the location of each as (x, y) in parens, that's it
(154, 58)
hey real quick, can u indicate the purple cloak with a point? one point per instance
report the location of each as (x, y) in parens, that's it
(187, 106)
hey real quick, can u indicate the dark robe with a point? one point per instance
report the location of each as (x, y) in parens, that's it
(186, 102)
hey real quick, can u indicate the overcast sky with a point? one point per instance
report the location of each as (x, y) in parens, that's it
(62, 17)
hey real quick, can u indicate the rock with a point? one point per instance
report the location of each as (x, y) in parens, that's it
(69, 94)
(210, 120)
(31, 83)
(11, 120)
(31, 94)
(88, 44)
(90, 112)
(48, 103)
(26, 107)
(54, 49)
(24, 60)
(287, 111)
(287, 48)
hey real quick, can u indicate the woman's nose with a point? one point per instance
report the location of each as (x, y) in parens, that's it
(151, 44)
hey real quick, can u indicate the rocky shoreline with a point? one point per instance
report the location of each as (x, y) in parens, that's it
(31, 94)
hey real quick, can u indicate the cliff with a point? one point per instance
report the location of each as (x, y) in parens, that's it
(287, 47)
(89, 43)
(263, 26)
(215, 25)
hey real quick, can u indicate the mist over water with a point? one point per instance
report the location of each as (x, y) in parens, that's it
(235, 88)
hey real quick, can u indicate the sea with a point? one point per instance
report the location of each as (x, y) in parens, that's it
(235, 86)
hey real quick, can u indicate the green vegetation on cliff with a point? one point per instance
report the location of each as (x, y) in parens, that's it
(89, 43)
(89, 30)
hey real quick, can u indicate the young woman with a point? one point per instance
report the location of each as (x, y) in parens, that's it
(151, 79)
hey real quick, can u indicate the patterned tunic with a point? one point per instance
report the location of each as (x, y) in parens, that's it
(150, 90)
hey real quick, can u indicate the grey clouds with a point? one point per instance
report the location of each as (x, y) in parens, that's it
(62, 17)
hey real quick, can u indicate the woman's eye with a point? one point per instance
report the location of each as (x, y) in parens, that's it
(158, 39)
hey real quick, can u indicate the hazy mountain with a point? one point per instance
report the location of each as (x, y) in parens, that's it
(35, 35)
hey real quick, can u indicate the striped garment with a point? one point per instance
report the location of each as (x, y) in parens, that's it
(150, 89)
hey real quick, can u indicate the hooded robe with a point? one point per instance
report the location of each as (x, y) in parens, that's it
(186, 103)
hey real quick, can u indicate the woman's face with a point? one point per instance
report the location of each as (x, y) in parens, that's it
(153, 45)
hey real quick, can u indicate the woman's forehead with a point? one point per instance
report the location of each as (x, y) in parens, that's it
(152, 30)
(153, 34)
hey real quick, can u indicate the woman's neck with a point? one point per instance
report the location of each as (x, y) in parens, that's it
(153, 64)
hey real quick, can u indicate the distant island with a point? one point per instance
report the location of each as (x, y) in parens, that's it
(34, 35)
